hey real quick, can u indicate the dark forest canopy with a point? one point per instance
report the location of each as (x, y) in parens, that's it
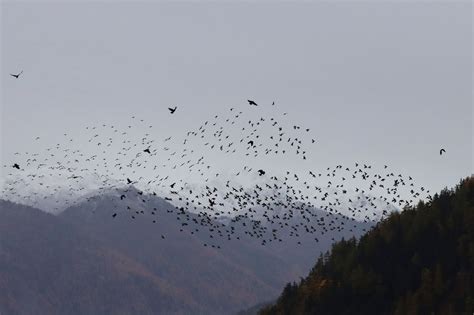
(419, 261)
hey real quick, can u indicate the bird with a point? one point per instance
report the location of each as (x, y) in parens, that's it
(75, 176)
(16, 76)
(252, 103)
(16, 166)
(172, 110)
(273, 191)
(442, 151)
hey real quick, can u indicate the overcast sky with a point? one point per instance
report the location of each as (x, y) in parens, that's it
(384, 83)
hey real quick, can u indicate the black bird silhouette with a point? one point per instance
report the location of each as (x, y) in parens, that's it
(252, 103)
(211, 200)
(75, 176)
(442, 151)
(16, 166)
(172, 110)
(16, 76)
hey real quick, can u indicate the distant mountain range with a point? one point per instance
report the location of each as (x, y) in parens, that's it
(84, 261)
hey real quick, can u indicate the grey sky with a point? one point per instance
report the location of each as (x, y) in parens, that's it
(385, 83)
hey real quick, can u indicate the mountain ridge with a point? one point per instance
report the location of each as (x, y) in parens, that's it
(187, 277)
(420, 261)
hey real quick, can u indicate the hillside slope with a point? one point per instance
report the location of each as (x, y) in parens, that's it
(420, 261)
(84, 261)
(222, 280)
(240, 274)
(49, 267)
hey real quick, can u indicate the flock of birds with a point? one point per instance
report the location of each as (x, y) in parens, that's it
(126, 162)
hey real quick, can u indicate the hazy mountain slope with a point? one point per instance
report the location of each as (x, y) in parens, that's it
(48, 267)
(86, 261)
(420, 261)
(238, 274)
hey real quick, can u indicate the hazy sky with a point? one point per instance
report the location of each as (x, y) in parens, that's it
(385, 83)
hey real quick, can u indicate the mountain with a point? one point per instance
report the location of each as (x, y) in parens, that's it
(48, 267)
(84, 261)
(221, 279)
(419, 261)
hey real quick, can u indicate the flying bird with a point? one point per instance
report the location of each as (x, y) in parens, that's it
(16, 76)
(261, 172)
(252, 103)
(16, 166)
(75, 176)
(442, 151)
(172, 110)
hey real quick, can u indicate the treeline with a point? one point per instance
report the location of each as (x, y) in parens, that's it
(419, 261)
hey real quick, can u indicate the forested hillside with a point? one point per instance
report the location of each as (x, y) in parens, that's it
(419, 261)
